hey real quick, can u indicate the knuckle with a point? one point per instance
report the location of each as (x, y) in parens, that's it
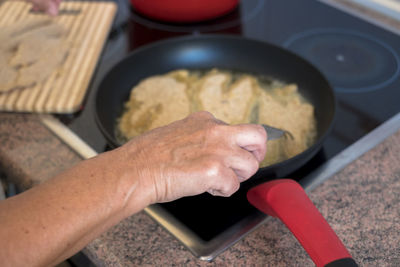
(231, 187)
(213, 168)
(215, 130)
(203, 114)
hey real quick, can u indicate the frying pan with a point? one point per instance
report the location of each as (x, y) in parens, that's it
(224, 52)
(251, 56)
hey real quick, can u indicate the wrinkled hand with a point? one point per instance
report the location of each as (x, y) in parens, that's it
(195, 155)
(48, 6)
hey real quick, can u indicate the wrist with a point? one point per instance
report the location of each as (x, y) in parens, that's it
(132, 187)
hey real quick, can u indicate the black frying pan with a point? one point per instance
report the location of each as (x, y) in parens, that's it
(224, 52)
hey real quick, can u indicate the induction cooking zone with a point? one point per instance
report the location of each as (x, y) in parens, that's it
(359, 59)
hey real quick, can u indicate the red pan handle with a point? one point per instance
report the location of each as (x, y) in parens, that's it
(287, 200)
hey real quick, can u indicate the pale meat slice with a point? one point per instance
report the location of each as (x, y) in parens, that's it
(11, 35)
(35, 49)
(25, 26)
(227, 102)
(41, 69)
(30, 51)
(8, 76)
(154, 102)
(51, 30)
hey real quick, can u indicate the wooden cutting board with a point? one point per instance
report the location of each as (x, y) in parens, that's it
(88, 25)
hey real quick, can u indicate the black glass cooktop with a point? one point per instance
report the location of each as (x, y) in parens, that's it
(359, 59)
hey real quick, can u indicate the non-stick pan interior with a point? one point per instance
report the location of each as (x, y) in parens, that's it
(206, 52)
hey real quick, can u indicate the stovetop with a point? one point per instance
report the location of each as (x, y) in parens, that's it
(359, 59)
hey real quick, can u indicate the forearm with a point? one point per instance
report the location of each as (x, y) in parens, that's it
(58, 218)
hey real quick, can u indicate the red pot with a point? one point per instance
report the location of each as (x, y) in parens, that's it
(184, 10)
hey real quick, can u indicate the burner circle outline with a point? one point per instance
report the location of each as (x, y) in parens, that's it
(373, 87)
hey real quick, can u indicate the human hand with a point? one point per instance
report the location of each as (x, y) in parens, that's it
(195, 155)
(48, 6)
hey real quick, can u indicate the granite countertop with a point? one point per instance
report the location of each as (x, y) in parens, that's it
(360, 203)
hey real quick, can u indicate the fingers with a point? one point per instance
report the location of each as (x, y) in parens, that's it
(52, 8)
(199, 154)
(49, 6)
(243, 163)
(224, 180)
(252, 138)
(242, 149)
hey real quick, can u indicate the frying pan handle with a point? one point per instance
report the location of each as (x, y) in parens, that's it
(287, 200)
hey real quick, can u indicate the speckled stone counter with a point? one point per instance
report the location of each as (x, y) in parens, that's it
(29, 152)
(361, 203)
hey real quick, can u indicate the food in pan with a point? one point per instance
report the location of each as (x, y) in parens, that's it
(232, 97)
(155, 102)
(30, 51)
